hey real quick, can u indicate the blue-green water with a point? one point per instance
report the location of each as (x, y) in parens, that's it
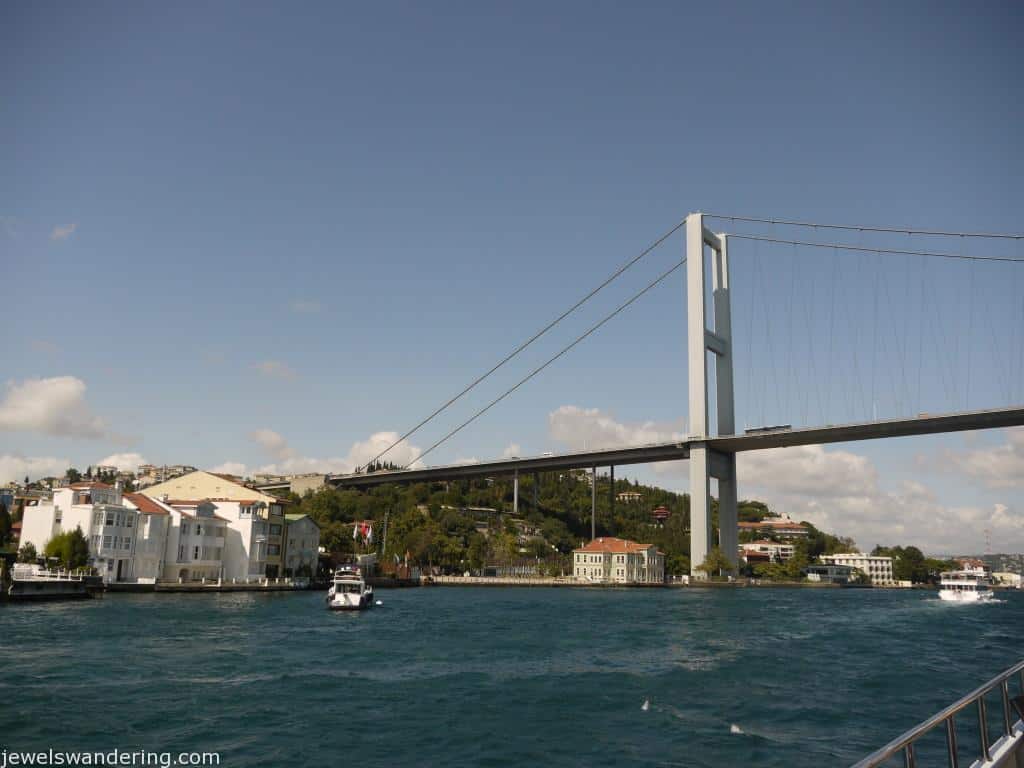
(498, 676)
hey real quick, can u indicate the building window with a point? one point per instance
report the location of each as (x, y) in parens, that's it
(106, 541)
(195, 553)
(273, 549)
(275, 530)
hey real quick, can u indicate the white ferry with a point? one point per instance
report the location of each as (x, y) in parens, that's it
(349, 590)
(35, 582)
(964, 587)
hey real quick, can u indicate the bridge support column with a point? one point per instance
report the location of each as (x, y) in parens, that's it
(593, 502)
(515, 492)
(611, 491)
(700, 340)
(536, 492)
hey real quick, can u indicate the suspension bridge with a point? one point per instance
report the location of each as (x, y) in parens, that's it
(712, 440)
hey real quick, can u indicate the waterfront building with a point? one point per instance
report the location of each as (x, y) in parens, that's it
(1007, 579)
(244, 534)
(775, 551)
(878, 569)
(152, 531)
(830, 574)
(781, 527)
(195, 543)
(208, 485)
(610, 560)
(629, 497)
(95, 508)
(302, 544)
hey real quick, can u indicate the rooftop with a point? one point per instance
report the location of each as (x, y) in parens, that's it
(145, 504)
(612, 544)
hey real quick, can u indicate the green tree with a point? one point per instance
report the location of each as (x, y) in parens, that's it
(27, 553)
(73, 475)
(5, 525)
(716, 563)
(70, 548)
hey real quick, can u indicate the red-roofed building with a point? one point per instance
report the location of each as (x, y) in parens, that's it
(757, 551)
(609, 560)
(783, 527)
(152, 530)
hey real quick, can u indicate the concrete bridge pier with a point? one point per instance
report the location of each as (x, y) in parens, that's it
(515, 492)
(709, 329)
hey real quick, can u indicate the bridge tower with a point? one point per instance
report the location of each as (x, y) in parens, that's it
(709, 329)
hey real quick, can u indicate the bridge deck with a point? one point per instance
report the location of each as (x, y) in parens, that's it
(924, 424)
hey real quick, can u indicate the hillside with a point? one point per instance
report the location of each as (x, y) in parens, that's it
(463, 525)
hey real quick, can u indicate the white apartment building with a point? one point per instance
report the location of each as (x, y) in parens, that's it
(878, 569)
(213, 487)
(609, 560)
(302, 544)
(152, 530)
(244, 533)
(195, 543)
(777, 552)
(98, 510)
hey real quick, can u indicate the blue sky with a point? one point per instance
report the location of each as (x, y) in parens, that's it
(322, 221)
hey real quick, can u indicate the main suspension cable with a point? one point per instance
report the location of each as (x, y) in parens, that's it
(550, 360)
(854, 228)
(527, 343)
(868, 249)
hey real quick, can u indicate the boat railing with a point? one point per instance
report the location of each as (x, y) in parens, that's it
(989, 753)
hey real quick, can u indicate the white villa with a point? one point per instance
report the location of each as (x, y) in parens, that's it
(777, 552)
(146, 537)
(151, 531)
(244, 533)
(878, 569)
(302, 544)
(609, 560)
(95, 508)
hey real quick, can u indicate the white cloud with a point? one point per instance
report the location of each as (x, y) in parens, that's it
(54, 406)
(289, 462)
(236, 468)
(17, 468)
(275, 369)
(306, 306)
(63, 233)
(512, 451)
(273, 443)
(125, 462)
(998, 467)
(588, 429)
(584, 429)
(839, 492)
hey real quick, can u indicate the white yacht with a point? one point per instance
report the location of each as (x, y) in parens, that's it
(349, 590)
(964, 587)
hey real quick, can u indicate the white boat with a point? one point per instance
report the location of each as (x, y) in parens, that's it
(349, 590)
(964, 587)
(36, 582)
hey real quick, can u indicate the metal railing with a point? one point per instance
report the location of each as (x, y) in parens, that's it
(905, 744)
